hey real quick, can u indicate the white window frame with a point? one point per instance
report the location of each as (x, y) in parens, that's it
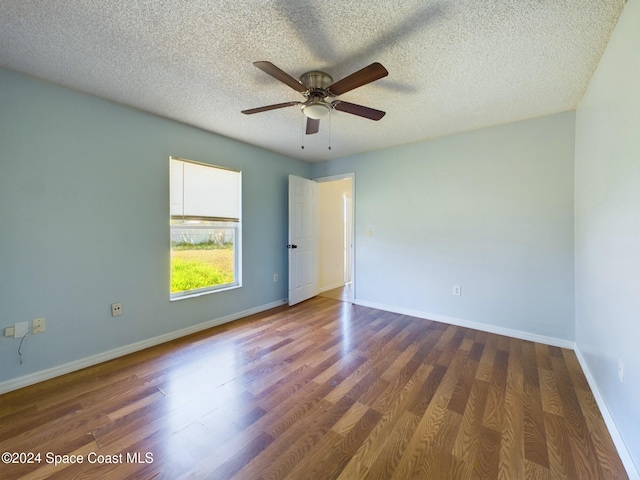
(188, 218)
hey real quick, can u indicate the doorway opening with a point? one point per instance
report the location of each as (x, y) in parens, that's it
(336, 277)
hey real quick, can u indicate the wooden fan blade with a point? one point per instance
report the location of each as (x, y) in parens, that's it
(275, 72)
(269, 107)
(361, 111)
(312, 126)
(369, 74)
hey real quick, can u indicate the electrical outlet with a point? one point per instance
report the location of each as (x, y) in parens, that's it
(368, 232)
(38, 325)
(620, 370)
(275, 277)
(457, 290)
(8, 332)
(116, 309)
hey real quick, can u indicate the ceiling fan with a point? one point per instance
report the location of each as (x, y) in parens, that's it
(317, 86)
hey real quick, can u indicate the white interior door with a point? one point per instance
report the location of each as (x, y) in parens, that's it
(303, 239)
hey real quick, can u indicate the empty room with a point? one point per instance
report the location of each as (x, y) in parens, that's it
(316, 240)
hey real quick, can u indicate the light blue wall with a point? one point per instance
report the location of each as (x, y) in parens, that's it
(84, 223)
(490, 210)
(608, 226)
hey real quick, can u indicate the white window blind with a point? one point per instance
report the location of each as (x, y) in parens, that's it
(204, 192)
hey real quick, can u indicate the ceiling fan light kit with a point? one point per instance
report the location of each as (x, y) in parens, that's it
(316, 109)
(316, 86)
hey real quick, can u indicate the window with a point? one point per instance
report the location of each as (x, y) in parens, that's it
(205, 228)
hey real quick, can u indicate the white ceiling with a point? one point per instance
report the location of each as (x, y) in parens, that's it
(454, 65)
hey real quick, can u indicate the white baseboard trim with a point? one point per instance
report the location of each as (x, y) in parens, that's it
(508, 332)
(624, 454)
(331, 287)
(33, 378)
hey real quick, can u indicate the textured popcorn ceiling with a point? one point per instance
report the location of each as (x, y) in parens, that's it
(453, 65)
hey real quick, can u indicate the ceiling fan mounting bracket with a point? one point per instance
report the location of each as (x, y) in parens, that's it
(316, 80)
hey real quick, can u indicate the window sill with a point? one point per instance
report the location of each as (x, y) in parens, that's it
(200, 294)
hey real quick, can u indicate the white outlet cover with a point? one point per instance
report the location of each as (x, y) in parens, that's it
(38, 325)
(116, 309)
(20, 329)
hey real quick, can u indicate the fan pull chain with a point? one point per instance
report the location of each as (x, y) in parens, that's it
(330, 131)
(302, 132)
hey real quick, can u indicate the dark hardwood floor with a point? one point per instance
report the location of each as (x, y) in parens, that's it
(321, 390)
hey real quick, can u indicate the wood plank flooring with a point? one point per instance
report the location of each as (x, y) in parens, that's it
(343, 293)
(322, 390)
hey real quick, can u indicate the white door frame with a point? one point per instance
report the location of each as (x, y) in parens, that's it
(344, 176)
